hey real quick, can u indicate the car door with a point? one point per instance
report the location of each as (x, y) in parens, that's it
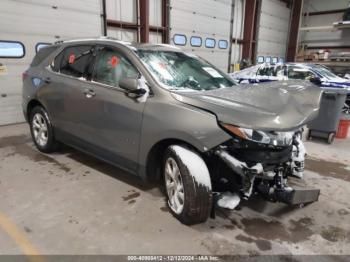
(66, 94)
(112, 119)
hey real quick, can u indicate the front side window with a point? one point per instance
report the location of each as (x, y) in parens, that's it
(11, 49)
(111, 67)
(301, 73)
(196, 41)
(324, 72)
(74, 61)
(182, 71)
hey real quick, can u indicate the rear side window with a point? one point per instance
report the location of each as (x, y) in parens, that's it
(42, 54)
(11, 49)
(74, 61)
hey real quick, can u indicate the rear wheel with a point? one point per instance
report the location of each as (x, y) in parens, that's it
(330, 138)
(189, 200)
(41, 130)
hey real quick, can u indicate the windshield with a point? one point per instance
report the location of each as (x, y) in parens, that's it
(324, 72)
(181, 71)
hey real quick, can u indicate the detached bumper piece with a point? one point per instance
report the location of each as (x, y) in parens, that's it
(298, 196)
(273, 183)
(290, 196)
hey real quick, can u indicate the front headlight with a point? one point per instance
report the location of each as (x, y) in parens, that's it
(271, 138)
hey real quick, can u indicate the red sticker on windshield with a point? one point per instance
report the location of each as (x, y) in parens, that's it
(71, 59)
(114, 61)
(162, 65)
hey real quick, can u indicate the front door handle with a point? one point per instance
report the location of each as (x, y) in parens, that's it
(89, 93)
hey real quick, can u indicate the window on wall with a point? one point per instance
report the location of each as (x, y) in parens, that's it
(40, 45)
(260, 59)
(281, 60)
(180, 39)
(275, 60)
(210, 43)
(11, 49)
(196, 41)
(268, 59)
(223, 44)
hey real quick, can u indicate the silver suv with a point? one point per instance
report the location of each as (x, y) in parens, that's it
(163, 114)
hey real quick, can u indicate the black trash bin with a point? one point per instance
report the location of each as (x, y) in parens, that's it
(325, 125)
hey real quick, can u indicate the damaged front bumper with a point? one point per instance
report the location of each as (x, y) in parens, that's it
(270, 177)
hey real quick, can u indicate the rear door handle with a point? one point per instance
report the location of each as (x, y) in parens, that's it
(89, 93)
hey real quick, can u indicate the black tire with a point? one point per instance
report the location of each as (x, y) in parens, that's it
(330, 138)
(197, 203)
(309, 135)
(51, 145)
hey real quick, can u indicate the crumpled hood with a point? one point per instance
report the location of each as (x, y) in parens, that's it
(276, 106)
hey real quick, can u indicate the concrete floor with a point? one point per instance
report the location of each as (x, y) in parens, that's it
(70, 203)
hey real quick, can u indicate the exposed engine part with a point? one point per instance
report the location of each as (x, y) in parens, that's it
(298, 156)
(270, 177)
(239, 167)
(247, 173)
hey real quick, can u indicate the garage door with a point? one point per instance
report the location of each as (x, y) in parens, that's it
(203, 29)
(29, 23)
(273, 30)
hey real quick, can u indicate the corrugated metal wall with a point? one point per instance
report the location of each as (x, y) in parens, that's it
(33, 21)
(209, 19)
(273, 29)
(126, 11)
(237, 30)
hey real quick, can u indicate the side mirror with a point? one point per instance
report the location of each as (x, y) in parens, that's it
(129, 84)
(315, 80)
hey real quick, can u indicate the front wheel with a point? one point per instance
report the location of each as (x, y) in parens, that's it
(188, 185)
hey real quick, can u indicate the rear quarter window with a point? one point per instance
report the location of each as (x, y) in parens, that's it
(41, 45)
(42, 54)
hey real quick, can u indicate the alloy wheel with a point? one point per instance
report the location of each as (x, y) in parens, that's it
(174, 186)
(40, 130)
